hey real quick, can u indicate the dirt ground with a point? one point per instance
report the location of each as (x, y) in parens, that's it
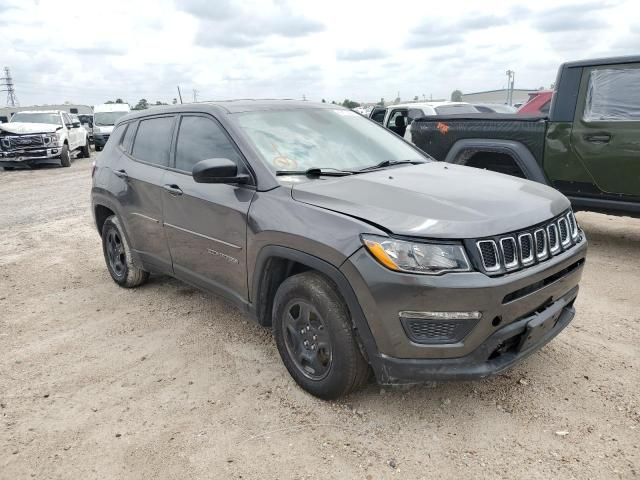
(167, 382)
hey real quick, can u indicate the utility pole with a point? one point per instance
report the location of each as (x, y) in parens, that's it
(195, 95)
(12, 100)
(179, 94)
(511, 78)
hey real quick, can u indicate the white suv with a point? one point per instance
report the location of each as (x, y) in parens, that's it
(38, 137)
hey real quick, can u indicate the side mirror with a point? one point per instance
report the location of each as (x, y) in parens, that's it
(75, 125)
(218, 170)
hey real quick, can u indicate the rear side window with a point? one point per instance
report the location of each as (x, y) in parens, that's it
(153, 140)
(127, 140)
(613, 95)
(116, 136)
(201, 138)
(378, 116)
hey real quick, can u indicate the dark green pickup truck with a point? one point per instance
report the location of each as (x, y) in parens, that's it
(588, 147)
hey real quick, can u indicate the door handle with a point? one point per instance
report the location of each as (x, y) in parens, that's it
(598, 138)
(121, 173)
(173, 189)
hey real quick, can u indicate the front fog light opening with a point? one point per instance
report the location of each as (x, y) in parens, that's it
(431, 328)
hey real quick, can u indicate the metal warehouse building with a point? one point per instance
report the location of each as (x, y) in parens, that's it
(520, 95)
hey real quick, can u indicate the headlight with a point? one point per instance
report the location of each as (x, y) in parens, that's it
(51, 139)
(417, 257)
(96, 129)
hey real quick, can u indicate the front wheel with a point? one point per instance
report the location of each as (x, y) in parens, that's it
(117, 255)
(315, 337)
(65, 156)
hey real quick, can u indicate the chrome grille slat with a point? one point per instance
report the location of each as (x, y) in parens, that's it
(509, 252)
(540, 237)
(512, 251)
(525, 243)
(489, 254)
(563, 227)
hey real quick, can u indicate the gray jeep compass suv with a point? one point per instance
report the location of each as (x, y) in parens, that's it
(356, 248)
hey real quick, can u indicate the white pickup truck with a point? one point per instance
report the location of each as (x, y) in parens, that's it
(41, 137)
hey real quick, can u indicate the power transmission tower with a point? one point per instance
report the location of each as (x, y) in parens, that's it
(12, 99)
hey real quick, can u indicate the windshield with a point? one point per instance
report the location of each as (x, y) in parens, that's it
(322, 138)
(25, 117)
(105, 119)
(449, 109)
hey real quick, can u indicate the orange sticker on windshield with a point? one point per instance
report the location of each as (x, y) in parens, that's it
(443, 128)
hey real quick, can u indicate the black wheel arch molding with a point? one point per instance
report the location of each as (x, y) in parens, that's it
(521, 155)
(363, 333)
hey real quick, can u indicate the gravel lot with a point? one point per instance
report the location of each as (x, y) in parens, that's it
(167, 382)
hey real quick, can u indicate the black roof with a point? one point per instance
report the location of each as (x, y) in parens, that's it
(602, 61)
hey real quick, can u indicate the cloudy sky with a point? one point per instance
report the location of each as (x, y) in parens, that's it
(89, 52)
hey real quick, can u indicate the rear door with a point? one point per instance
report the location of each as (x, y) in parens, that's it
(606, 125)
(206, 224)
(141, 171)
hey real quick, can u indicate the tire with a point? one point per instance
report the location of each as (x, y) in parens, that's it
(65, 156)
(330, 365)
(117, 255)
(84, 151)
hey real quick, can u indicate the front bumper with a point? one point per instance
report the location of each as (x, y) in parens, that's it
(501, 350)
(507, 304)
(30, 156)
(100, 139)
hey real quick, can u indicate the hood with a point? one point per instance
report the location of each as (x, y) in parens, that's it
(20, 128)
(436, 200)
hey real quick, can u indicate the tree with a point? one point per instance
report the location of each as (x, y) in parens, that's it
(158, 102)
(141, 105)
(415, 99)
(456, 96)
(109, 102)
(350, 103)
(324, 101)
(333, 102)
(174, 101)
(119, 100)
(381, 102)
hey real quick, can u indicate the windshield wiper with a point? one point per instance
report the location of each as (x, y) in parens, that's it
(389, 163)
(316, 172)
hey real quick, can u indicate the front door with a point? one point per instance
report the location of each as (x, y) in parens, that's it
(206, 224)
(605, 129)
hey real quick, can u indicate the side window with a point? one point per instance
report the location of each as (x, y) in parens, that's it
(398, 118)
(200, 138)
(116, 136)
(153, 140)
(378, 116)
(127, 139)
(613, 94)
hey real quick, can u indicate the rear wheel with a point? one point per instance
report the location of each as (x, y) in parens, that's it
(315, 337)
(117, 255)
(65, 156)
(84, 151)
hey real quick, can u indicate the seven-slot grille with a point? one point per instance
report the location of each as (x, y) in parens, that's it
(513, 251)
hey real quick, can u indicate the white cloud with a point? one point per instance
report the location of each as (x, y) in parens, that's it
(91, 52)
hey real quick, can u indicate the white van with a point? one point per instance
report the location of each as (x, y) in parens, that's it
(105, 117)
